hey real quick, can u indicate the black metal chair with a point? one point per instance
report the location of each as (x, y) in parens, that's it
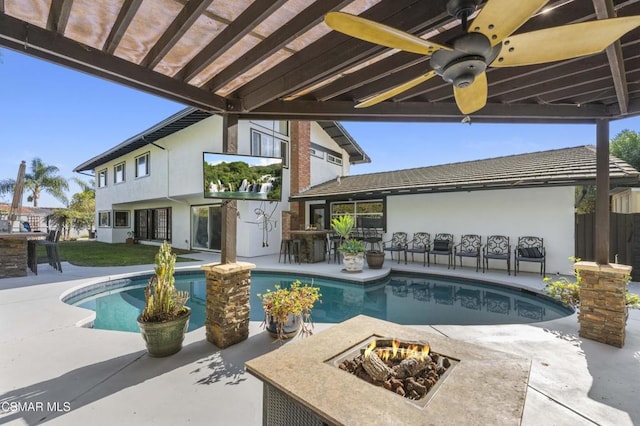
(51, 246)
(371, 237)
(530, 249)
(333, 243)
(442, 245)
(421, 243)
(397, 244)
(469, 246)
(498, 248)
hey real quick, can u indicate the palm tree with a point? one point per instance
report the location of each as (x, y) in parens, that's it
(42, 178)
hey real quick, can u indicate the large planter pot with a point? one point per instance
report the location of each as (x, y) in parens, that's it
(289, 328)
(164, 338)
(353, 262)
(375, 259)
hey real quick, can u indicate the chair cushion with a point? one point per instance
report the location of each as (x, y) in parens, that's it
(441, 245)
(533, 252)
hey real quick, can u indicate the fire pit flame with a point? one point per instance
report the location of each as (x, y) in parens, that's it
(408, 369)
(397, 352)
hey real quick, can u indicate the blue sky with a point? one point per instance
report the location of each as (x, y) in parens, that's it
(66, 117)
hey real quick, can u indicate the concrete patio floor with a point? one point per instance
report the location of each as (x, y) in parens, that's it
(88, 376)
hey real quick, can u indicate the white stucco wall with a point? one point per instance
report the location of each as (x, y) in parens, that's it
(175, 181)
(542, 212)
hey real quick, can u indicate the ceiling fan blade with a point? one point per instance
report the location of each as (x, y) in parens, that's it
(564, 42)
(396, 90)
(381, 34)
(473, 97)
(499, 19)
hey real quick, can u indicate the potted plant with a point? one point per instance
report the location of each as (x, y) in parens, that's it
(352, 250)
(165, 318)
(375, 259)
(131, 238)
(288, 310)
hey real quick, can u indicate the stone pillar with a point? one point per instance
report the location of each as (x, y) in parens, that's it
(603, 310)
(227, 313)
(13, 260)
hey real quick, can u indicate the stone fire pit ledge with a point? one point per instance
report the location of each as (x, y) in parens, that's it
(487, 386)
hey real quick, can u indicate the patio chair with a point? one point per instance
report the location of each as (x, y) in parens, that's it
(421, 243)
(397, 244)
(469, 246)
(530, 249)
(372, 236)
(498, 248)
(442, 245)
(51, 246)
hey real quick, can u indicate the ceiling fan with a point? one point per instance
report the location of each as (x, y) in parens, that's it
(486, 42)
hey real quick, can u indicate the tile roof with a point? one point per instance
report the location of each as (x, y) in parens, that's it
(560, 167)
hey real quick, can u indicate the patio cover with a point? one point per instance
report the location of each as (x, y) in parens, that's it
(277, 59)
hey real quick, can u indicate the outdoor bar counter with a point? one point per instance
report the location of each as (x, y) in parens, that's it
(14, 253)
(313, 245)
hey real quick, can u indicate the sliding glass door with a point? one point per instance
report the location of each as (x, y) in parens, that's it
(206, 227)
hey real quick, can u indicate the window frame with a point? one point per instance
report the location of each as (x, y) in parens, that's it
(256, 145)
(146, 155)
(333, 159)
(102, 182)
(115, 173)
(102, 223)
(354, 211)
(115, 219)
(147, 224)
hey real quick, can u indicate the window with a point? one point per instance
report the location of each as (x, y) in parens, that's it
(316, 153)
(334, 159)
(367, 213)
(265, 145)
(118, 173)
(104, 219)
(153, 224)
(121, 219)
(142, 165)
(102, 178)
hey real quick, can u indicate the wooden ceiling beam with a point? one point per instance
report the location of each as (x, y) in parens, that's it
(331, 54)
(304, 21)
(125, 16)
(424, 111)
(604, 10)
(59, 15)
(53, 47)
(374, 72)
(241, 26)
(180, 25)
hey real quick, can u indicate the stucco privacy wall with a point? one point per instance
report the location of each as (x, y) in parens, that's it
(542, 212)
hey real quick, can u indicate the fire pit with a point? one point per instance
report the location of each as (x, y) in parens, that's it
(408, 369)
(303, 381)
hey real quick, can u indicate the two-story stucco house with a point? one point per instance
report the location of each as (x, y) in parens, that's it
(151, 185)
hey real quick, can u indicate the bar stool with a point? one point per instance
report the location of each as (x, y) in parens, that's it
(290, 246)
(333, 243)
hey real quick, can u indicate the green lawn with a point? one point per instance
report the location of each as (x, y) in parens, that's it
(93, 253)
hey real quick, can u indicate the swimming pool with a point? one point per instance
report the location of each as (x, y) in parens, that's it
(403, 298)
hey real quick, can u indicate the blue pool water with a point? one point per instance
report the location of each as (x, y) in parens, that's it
(403, 298)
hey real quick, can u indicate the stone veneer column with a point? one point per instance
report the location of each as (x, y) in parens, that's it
(603, 310)
(13, 257)
(227, 313)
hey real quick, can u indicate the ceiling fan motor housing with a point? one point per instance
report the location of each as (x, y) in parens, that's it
(471, 55)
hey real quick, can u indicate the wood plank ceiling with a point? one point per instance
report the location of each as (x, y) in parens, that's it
(266, 58)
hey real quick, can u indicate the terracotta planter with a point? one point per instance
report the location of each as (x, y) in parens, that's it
(353, 262)
(164, 338)
(375, 259)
